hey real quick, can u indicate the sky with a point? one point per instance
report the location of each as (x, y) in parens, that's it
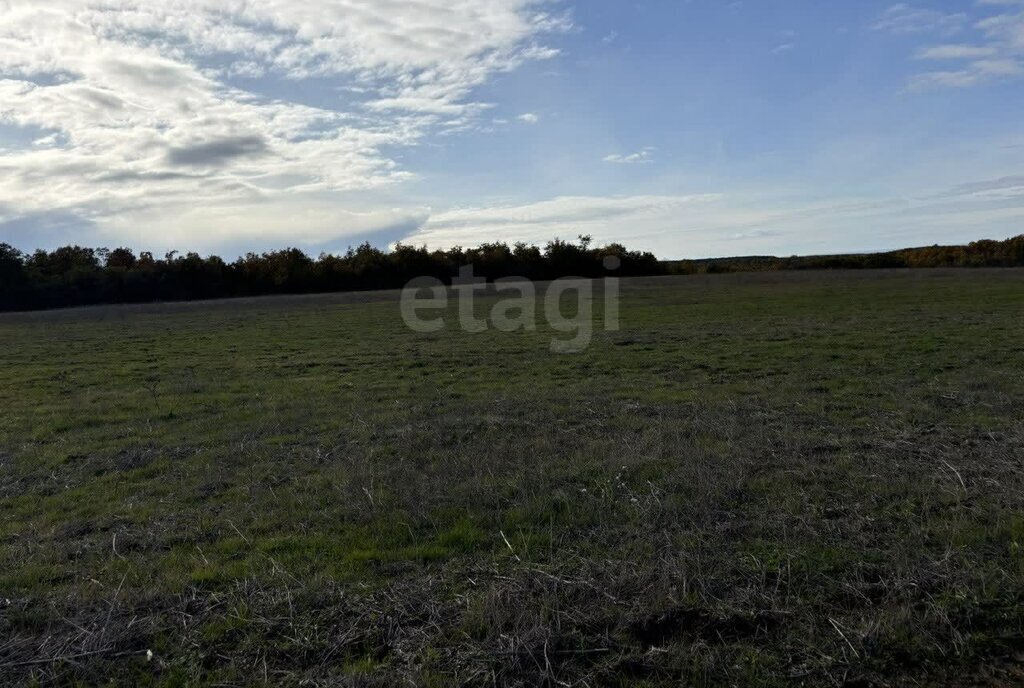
(690, 128)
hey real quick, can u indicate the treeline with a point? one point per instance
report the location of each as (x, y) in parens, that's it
(987, 253)
(75, 276)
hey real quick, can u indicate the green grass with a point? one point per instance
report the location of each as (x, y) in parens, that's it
(760, 479)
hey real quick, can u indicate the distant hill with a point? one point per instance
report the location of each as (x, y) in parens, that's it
(986, 253)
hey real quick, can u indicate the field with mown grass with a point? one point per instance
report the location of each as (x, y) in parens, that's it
(779, 479)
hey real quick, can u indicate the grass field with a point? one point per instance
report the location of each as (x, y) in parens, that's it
(779, 479)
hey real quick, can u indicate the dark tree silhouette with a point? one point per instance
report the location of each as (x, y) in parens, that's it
(73, 275)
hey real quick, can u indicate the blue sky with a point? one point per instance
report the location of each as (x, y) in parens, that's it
(689, 128)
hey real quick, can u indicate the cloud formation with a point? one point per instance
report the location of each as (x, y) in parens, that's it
(641, 157)
(995, 53)
(218, 152)
(142, 104)
(564, 216)
(1004, 187)
(903, 18)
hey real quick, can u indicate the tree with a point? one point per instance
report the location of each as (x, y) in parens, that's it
(121, 259)
(12, 275)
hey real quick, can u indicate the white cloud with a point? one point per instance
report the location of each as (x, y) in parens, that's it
(529, 118)
(137, 109)
(1003, 187)
(564, 216)
(903, 18)
(956, 52)
(300, 221)
(997, 55)
(974, 74)
(641, 157)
